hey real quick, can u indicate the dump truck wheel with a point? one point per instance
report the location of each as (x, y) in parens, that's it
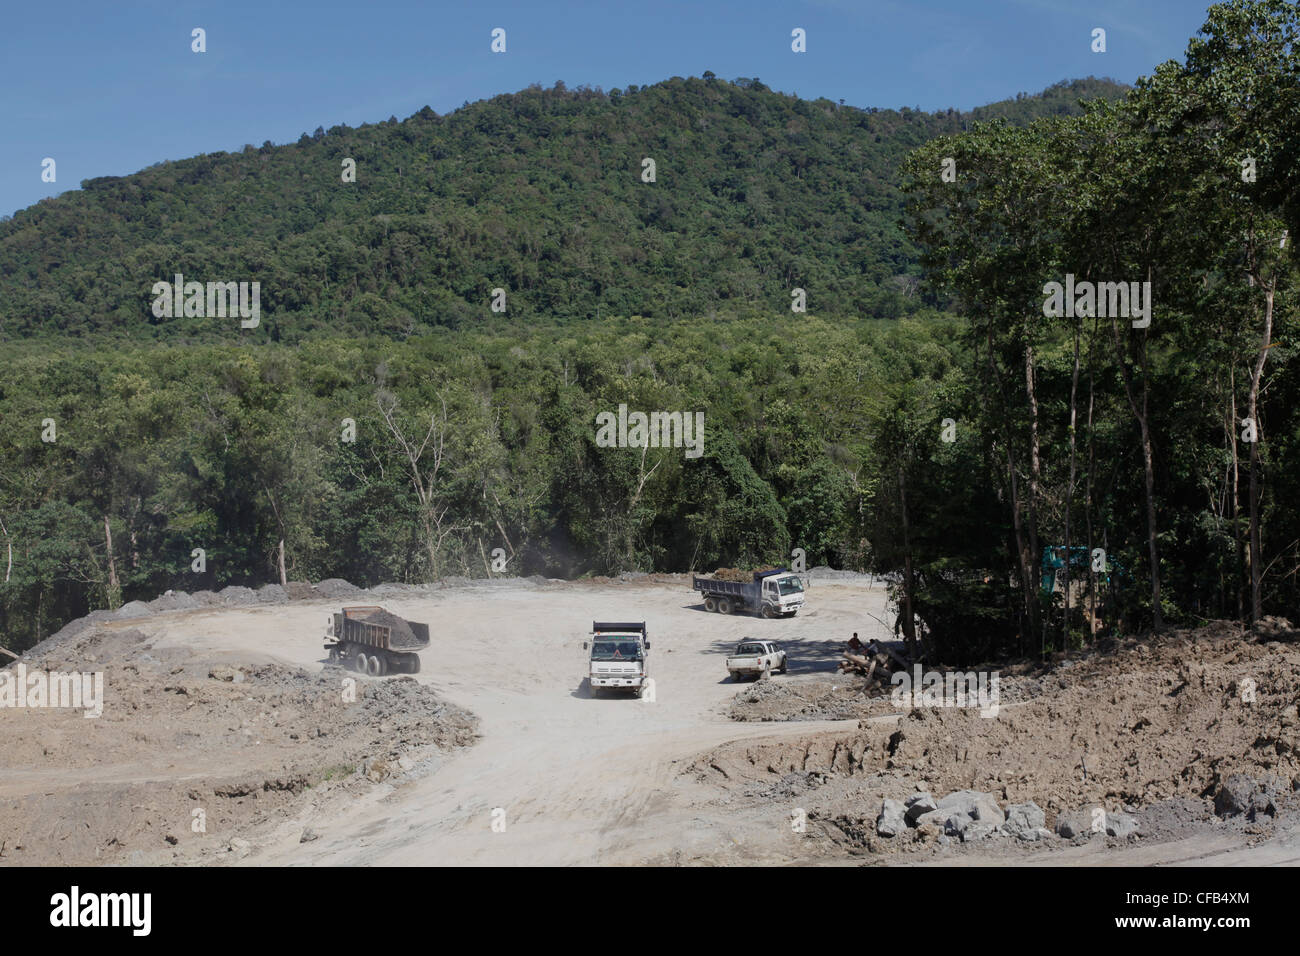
(710, 604)
(382, 664)
(724, 606)
(359, 662)
(767, 612)
(414, 663)
(334, 655)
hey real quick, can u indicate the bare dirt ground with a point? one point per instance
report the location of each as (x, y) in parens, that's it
(234, 712)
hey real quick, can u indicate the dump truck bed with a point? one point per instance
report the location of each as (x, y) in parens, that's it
(374, 627)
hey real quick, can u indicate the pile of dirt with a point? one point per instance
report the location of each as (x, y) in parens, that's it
(845, 698)
(124, 787)
(1153, 729)
(400, 635)
(735, 574)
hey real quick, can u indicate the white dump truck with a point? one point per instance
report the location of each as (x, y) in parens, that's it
(756, 659)
(618, 656)
(775, 593)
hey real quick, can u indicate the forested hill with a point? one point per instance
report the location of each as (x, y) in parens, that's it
(540, 193)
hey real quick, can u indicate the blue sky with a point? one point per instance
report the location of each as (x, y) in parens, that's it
(107, 88)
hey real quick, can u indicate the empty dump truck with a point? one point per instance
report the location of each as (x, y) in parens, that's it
(373, 641)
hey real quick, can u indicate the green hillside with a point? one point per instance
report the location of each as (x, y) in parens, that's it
(537, 192)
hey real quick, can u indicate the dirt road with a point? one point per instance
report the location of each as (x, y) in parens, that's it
(579, 780)
(565, 778)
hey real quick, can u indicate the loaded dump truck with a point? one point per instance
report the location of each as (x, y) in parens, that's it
(618, 656)
(372, 641)
(775, 593)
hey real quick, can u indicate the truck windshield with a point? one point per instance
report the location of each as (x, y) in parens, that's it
(615, 650)
(790, 586)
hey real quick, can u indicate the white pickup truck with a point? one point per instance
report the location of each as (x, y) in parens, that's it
(756, 659)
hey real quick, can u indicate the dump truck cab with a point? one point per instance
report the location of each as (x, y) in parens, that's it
(617, 656)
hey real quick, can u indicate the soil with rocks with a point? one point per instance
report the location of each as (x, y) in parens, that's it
(150, 779)
(1195, 730)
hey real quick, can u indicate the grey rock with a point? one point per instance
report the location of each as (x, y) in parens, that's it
(975, 832)
(1241, 794)
(918, 804)
(892, 819)
(935, 818)
(1022, 818)
(1074, 823)
(976, 805)
(1121, 825)
(308, 835)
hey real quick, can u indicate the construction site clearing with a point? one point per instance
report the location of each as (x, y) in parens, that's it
(226, 736)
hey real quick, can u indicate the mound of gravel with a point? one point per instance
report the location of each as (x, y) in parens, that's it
(176, 601)
(337, 587)
(133, 609)
(237, 596)
(272, 594)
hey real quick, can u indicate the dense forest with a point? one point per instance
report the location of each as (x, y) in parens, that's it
(1028, 477)
(539, 193)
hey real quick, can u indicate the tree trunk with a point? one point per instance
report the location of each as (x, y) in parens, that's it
(284, 580)
(909, 617)
(1236, 496)
(1069, 494)
(1035, 459)
(1256, 544)
(1148, 462)
(9, 546)
(114, 592)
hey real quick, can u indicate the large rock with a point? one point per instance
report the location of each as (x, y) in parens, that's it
(975, 832)
(1023, 818)
(1075, 823)
(1240, 794)
(955, 824)
(1121, 825)
(892, 819)
(919, 804)
(974, 804)
(935, 818)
